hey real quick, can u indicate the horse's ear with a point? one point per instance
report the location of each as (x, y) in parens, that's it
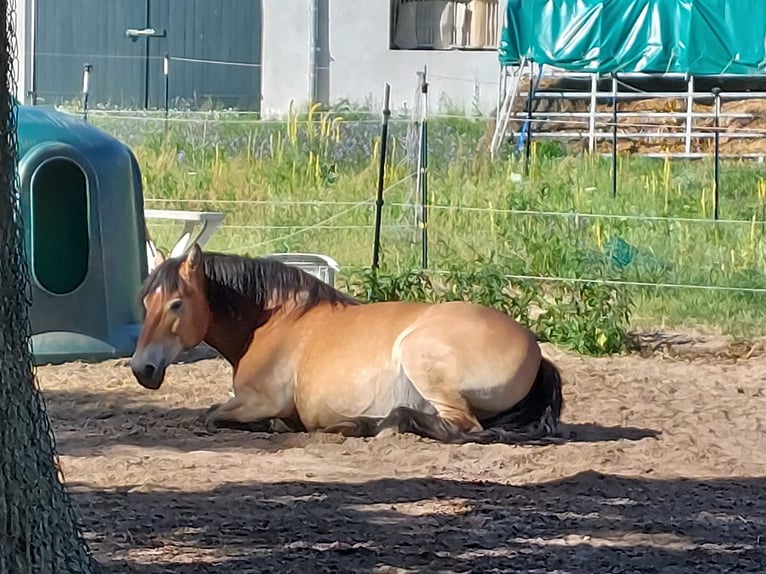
(194, 257)
(159, 258)
(154, 256)
(192, 263)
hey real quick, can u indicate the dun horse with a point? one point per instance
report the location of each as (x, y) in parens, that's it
(309, 355)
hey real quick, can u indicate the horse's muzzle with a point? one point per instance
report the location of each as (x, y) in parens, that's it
(148, 375)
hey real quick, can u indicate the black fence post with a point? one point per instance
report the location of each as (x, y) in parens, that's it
(614, 135)
(381, 173)
(166, 78)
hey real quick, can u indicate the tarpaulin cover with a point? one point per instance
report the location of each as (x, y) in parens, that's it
(700, 37)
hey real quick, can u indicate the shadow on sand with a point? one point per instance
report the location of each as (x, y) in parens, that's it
(587, 523)
(81, 425)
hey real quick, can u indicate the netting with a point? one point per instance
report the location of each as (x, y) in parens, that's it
(39, 531)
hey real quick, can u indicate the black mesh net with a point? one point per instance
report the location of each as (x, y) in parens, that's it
(39, 531)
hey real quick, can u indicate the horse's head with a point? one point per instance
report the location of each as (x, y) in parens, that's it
(177, 316)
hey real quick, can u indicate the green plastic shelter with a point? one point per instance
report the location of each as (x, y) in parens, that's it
(81, 201)
(695, 37)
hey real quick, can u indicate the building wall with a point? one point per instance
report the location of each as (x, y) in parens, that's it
(354, 49)
(360, 61)
(285, 55)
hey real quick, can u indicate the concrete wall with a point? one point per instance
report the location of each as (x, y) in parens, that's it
(360, 61)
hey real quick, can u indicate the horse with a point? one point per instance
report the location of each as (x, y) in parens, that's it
(317, 359)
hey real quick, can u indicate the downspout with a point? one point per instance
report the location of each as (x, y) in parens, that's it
(313, 49)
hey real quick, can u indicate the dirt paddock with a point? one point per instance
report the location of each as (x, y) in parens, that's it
(664, 471)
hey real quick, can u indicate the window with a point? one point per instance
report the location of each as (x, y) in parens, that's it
(444, 25)
(59, 225)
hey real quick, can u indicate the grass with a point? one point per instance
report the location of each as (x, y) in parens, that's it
(308, 184)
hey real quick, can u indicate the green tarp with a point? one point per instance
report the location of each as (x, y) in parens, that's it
(700, 37)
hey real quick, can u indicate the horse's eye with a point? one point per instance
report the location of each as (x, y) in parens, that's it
(175, 305)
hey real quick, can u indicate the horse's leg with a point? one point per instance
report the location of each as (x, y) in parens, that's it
(434, 426)
(453, 416)
(401, 420)
(247, 407)
(453, 420)
(430, 363)
(432, 371)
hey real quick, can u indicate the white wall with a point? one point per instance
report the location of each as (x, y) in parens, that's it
(361, 61)
(22, 65)
(285, 55)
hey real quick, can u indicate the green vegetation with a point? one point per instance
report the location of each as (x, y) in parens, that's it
(308, 184)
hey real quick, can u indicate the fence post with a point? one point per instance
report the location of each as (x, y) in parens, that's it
(717, 154)
(689, 113)
(381, 173)
(592, 113)
(614, 135)
(531, 91)
(166, 78)
(86, 68)
(501, 89)
(423, 168)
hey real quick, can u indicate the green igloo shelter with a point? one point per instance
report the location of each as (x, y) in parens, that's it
(81, 200)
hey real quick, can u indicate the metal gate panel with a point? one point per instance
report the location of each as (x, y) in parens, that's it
(72, 33)
(215, 50)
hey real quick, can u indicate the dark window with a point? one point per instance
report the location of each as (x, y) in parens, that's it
(59, 225)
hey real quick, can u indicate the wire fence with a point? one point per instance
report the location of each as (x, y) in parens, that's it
(586, 234)
(625, 88)
(684, 122)
(574, 215)
(170, 95)
(577, 126)
(666, 239)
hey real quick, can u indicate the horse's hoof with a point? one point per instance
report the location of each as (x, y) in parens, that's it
(207, 416)
(279, 426)
(207, 421)
(207, 426)
(210, 410)
(386, 432)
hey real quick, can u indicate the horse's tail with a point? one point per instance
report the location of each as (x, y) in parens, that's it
(535, 417)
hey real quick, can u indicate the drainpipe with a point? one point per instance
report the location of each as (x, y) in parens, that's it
(313, 48)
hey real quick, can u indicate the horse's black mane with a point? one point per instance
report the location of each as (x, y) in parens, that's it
(231, 278)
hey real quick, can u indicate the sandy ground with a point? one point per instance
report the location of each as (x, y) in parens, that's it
(665, 471)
